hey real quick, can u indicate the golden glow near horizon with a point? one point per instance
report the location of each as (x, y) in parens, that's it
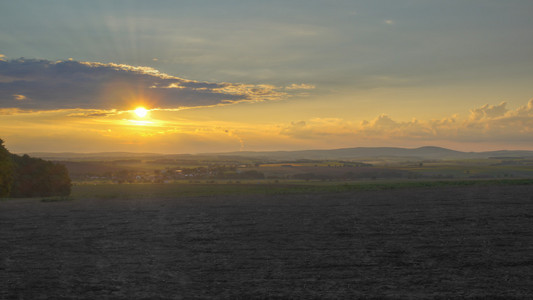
(140, 123)
(196, 131)
(141, 112)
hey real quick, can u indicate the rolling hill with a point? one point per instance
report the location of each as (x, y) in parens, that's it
(363, 153)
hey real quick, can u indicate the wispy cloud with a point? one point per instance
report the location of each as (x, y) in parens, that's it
(10, 111)
(19, 97)
(47, 85)
(301, 86)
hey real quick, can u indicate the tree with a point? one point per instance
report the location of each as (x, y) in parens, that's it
(24, 176)
(6, 171)
(37, 177)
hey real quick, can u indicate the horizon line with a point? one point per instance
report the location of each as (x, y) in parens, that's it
(259, 151)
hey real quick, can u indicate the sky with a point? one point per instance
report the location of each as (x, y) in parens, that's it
(218, 76)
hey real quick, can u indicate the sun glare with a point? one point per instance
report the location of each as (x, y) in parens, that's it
(141, 112)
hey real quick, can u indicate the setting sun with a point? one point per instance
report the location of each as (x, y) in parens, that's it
(141, 112)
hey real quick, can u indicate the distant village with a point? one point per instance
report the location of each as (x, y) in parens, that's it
(338, 171)
(168, 175)
(211, 169)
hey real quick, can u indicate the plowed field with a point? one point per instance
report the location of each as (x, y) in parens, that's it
(408, 243)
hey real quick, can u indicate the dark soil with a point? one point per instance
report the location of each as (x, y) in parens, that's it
(455, 242)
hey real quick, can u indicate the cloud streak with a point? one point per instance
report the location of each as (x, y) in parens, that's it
(31, 84)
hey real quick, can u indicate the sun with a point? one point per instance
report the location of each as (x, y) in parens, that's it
(141, 112)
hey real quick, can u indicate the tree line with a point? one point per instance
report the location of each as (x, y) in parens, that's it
(25, 176)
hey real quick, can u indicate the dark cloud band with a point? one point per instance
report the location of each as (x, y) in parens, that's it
(46, 85)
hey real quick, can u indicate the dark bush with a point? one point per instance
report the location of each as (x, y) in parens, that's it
(6, 171)
(24, 176)
(37, 177)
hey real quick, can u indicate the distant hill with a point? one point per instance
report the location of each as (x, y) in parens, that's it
(368, 153)
(359, 153)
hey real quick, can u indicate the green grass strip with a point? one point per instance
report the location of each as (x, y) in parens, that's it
(171, 190)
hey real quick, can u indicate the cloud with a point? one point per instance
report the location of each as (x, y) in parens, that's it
(10, 111)
(488, 123)
(301, 86)
(382, 122)
(19, 97)
(2, 57)
(93, 113)
(318, 128)
(47, 85)
(488, 111)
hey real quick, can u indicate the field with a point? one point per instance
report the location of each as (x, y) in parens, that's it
(203, 167)
(435, 239)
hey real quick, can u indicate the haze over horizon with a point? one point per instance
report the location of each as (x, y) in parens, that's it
(206, 76)
(437, 152)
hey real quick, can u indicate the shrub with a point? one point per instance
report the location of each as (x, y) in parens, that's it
(24, 176)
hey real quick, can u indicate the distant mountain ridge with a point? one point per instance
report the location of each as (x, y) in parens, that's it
(427, 152)
(359, 153)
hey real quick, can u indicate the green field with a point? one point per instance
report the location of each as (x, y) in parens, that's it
(216, 188)
(203, 168)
